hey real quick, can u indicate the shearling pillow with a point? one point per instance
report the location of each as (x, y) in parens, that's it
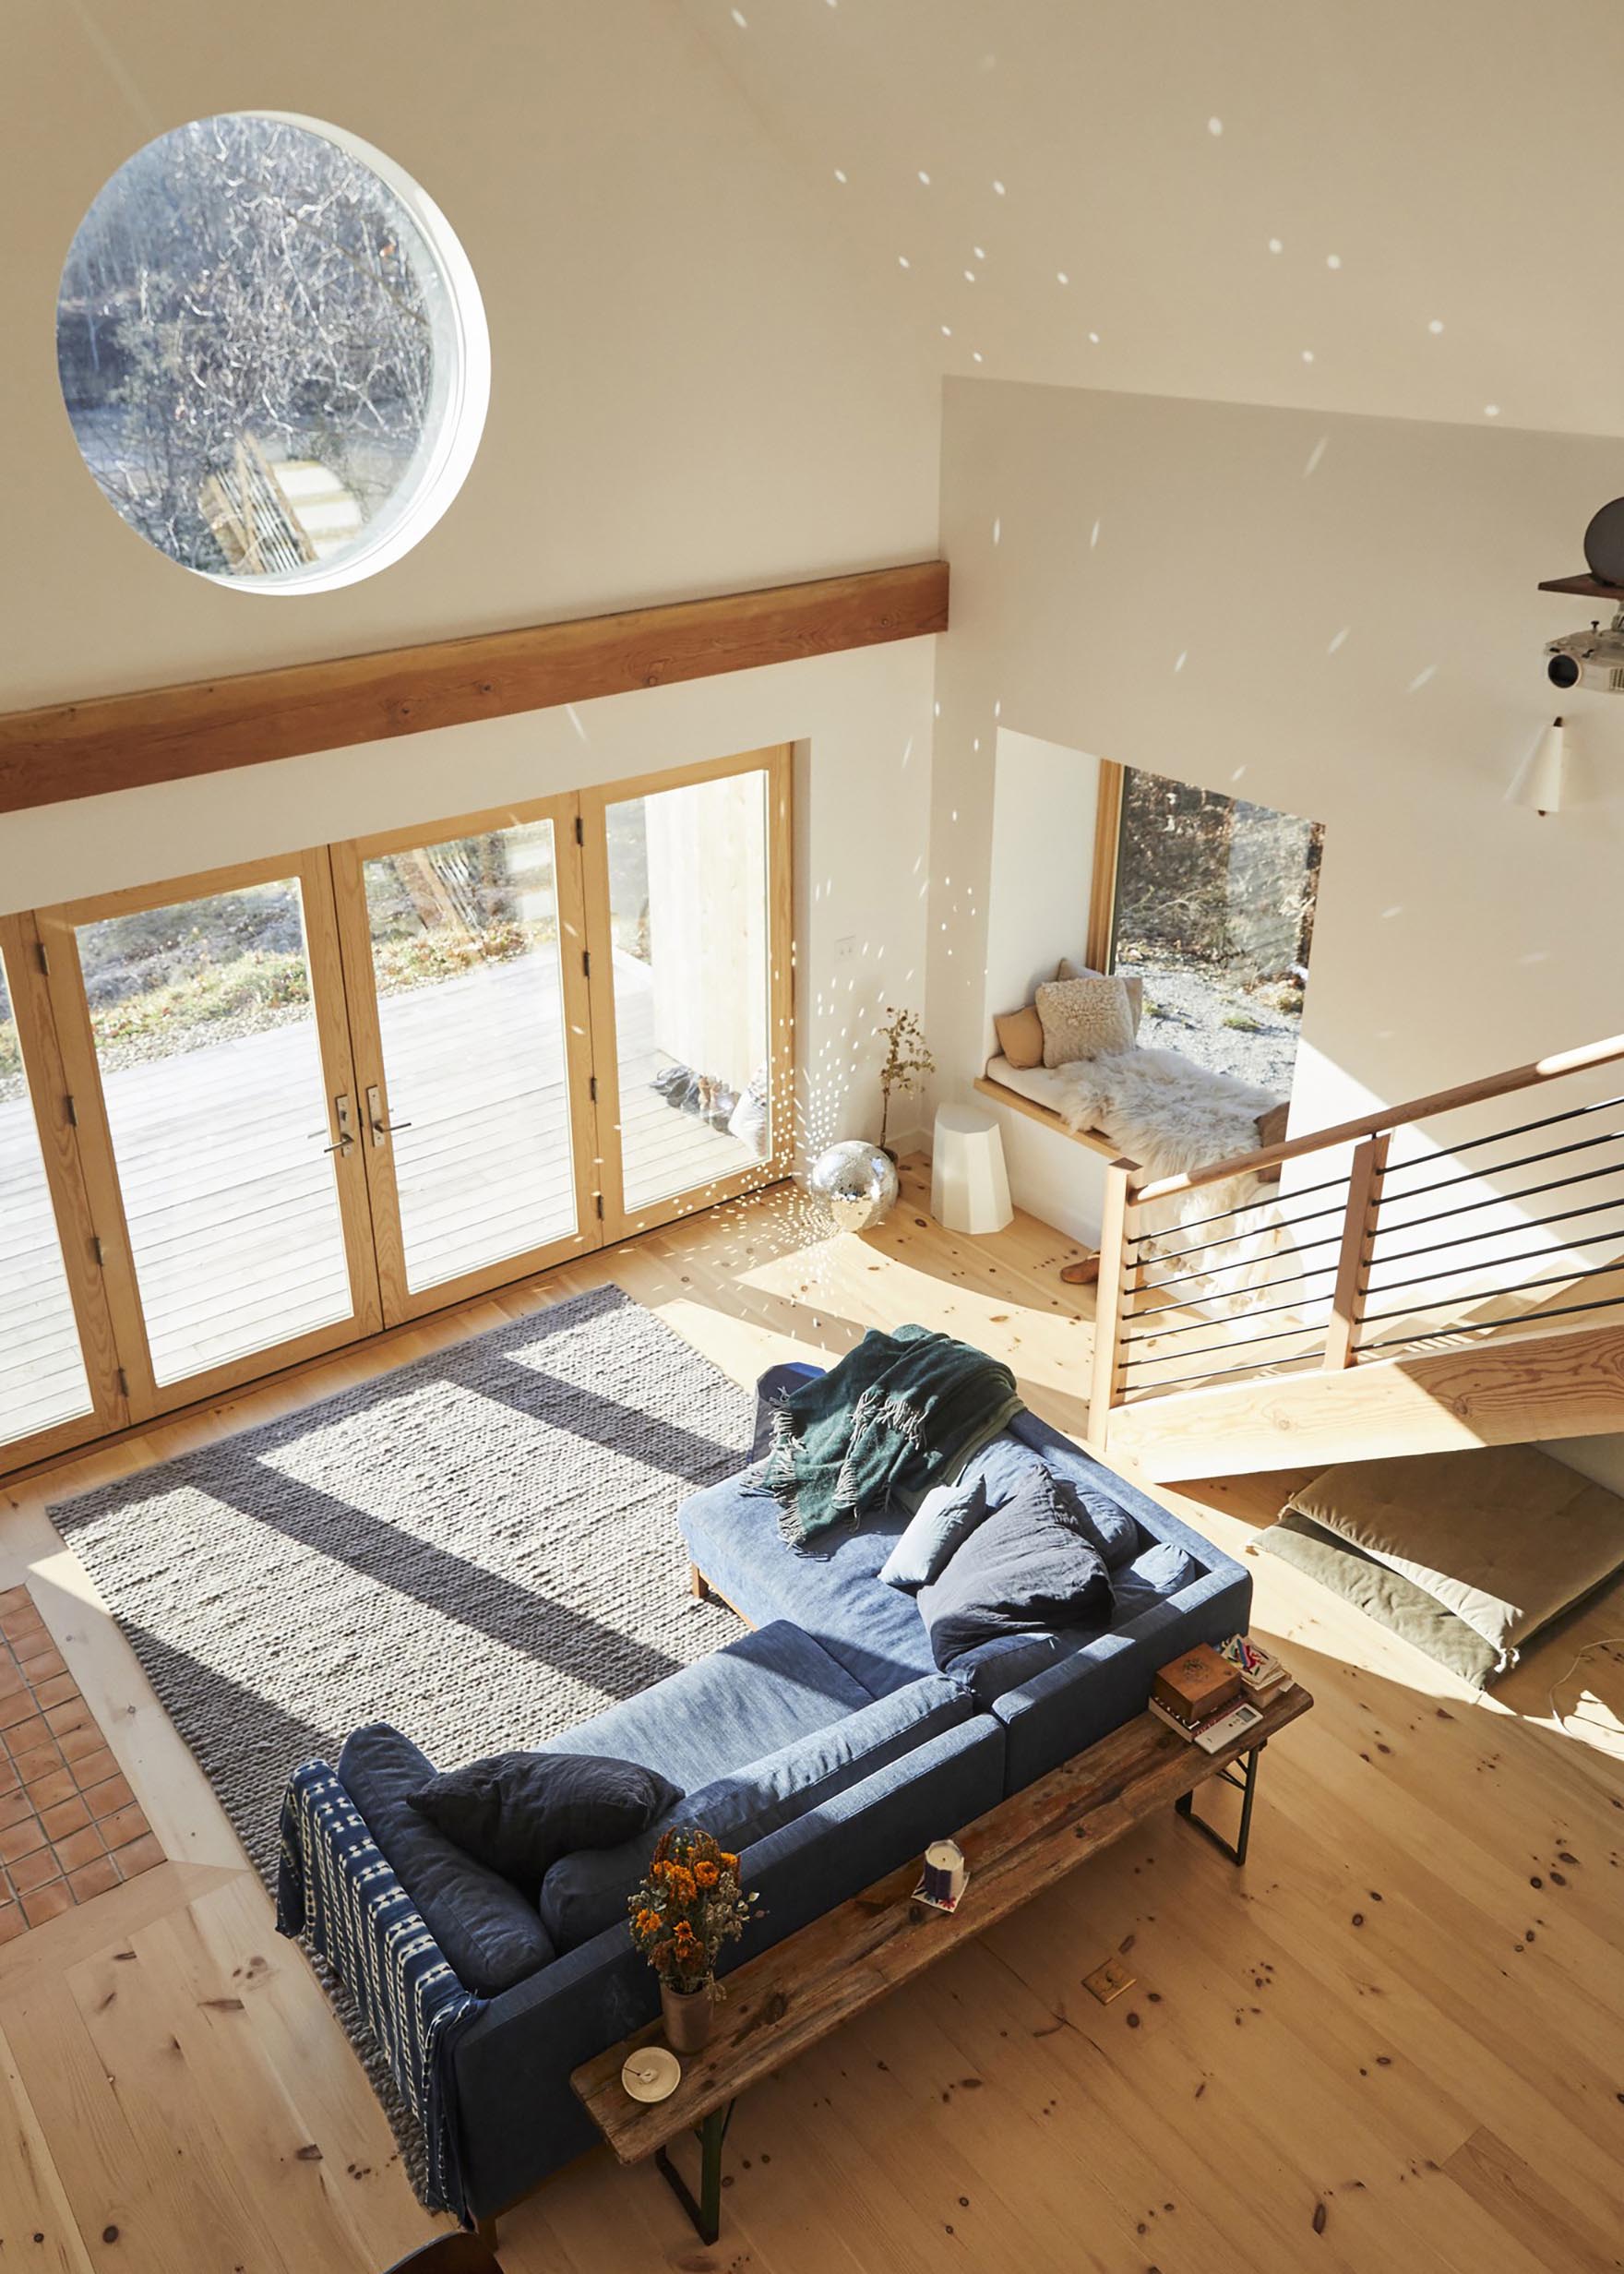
(1133, 980)
(518, 1813)
(1084, 1018)
(1021, 1036)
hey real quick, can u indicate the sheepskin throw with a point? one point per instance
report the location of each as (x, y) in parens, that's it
(1084, 1019)
(1169, 1113)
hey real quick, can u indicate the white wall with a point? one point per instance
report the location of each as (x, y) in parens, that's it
(1353, 603)
(707, 872)
(692, 392)
(1042, 809)
(1043, 800)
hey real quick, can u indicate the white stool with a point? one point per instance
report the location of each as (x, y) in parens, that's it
(969, 1189)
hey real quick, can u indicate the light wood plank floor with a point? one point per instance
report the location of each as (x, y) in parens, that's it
(1396, 2042)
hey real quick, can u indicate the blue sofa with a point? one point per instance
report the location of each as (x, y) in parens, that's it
(824, 1743)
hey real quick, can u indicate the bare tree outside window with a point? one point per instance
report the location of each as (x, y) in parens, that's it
(1215, 908)
(250, 333)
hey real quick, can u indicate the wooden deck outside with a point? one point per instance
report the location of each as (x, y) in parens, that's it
(230, 1198)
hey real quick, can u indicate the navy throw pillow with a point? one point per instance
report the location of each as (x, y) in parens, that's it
(489, 1936)
(1026, 1569)
(522, 1811)
(1155, 1575)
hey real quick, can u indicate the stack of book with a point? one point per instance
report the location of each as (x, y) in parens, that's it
(1262, 1675)
(1212, 1697)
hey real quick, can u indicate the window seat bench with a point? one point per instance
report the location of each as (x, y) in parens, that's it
(1029, 1090)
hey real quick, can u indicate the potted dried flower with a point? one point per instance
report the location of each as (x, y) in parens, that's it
(689, 1904)
(908, 1065)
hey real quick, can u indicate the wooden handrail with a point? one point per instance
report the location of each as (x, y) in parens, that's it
(1394, 1116)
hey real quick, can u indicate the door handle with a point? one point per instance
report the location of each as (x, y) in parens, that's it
(375, 1114)
(346, 1134)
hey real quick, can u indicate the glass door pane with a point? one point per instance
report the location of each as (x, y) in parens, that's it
(688, 918)
(474, 1109)
(204, 1026)
(42, 1378)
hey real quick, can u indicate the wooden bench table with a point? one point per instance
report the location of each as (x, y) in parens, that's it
(806, 1986)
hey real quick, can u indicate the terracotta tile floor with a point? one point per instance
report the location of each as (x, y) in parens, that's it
(70, 1827)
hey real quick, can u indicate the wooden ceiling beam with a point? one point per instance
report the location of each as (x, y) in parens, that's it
(168, 734)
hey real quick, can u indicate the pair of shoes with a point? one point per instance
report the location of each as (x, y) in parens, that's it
(1082, 1274)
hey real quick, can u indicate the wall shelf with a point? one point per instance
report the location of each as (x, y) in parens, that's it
(1585, 588)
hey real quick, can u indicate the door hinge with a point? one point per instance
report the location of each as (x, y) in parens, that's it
(97, 1256)
(599, 1198)
(44, 959)
(73, 1111)
(592, 1088)
(580, 834)
(586, 962)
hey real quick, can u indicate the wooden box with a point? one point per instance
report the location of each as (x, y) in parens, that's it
(1196, 1685)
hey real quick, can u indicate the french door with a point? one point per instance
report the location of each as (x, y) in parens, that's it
(466, 985)
(687, 890)
(206, 1053)
(59, 1383)
(250, 1115)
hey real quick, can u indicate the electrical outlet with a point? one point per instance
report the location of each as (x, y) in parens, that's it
(845, 950)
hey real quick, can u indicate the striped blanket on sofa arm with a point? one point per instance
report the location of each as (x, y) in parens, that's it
(338, 1893)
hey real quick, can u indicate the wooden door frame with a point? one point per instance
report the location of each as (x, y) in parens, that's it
(57, 930)
(70, 1115)
(776, 762)
(47, 1090)
(400, 1301)
(1102, 899)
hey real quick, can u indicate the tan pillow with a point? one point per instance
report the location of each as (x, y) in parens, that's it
(1084, 1018)
(1021, 1036)
(1132, 981)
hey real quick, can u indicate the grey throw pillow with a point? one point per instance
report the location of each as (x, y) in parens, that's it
(945, 1518)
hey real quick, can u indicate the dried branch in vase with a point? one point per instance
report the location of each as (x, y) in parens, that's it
(908, 1064)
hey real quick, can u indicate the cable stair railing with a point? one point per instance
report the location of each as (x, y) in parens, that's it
(1417, 1242)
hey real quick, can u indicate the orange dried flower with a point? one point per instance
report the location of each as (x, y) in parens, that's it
(681, 1883)
(705, 1875)
(728, 1861)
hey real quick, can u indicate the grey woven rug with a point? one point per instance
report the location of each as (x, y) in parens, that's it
(479, 1547)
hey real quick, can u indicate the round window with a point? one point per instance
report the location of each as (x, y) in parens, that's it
(274, 352)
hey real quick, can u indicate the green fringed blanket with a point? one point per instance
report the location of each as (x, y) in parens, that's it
(900, 1413)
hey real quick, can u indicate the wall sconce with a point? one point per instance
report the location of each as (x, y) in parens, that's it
(1540, 779)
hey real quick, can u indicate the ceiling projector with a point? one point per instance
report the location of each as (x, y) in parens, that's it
(1594, 658)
